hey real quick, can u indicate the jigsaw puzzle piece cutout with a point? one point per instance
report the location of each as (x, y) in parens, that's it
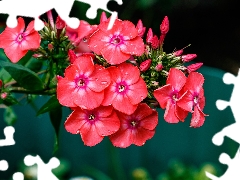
(44, 170)
(233, 167)
(3, 165)
(95, 5)
(18, 176)
(26, 8)
(8, 133)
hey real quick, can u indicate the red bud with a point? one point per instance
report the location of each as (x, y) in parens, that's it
(188, 57)
(145, 65)
(164, 27)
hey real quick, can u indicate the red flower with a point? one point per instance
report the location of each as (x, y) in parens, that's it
(168, 95)
(141, 29)
(136, 128)
(93, 125)
(83, 84)
(117, 44)
(16, 42)
(194, 100)
(80, 36)
(127, 88)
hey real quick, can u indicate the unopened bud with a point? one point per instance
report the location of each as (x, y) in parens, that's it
(53, 34)
(37, 55)
(188, 57)
(194, 67)
(141, 30)
(103, 17)
(159, 67)
(4, 95)
(149, 36)
(50, 47)
(145, 65)
(72, 55)
(178, 53)
(155, 42)
(60, 24)
(164, 27)
(1, 83)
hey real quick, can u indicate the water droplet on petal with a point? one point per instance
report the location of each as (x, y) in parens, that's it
(104, 82)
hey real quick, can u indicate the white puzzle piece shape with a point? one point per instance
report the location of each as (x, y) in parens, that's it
(8, 132)
(35, 8)
(44, 170)
(231, 131)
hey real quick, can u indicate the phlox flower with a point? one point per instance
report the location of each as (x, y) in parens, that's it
(126, 90)
(83, 84)
(117, 44)
(169, 94)
(80, 36)
(16, 42)
(194, 100)
(136, 128)
(94, 124)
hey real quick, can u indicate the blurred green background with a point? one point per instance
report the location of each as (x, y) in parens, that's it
(178, 151)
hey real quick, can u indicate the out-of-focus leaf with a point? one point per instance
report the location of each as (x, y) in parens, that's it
(50, 105)
(55, 117)
(9, 116)
(34, 64)
(10, 100)
(24, 76)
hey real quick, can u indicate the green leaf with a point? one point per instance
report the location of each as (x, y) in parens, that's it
(50, 105)
(24, 76)
(55, 117)
(10, 116)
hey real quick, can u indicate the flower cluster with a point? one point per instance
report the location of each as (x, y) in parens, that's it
(112, 79)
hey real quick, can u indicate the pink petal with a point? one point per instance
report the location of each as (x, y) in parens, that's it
(122, 138)
(108, 125)
(123, 104)
(75, 121)
(142, 111)
(97, 41)
(113, 55)
(150, 122)
(176, 78)
(84, 65)
(194, 82)
(89, 135)
(109, 95)
(141, 135)
(88, 99)
(186, 101)
(117, 26)
(31, 41)
(129, 73)
(128, 30)
(169, 114)
(137, 92)
(30, 28)
(180, 113)
(71, 72)
(134, 46)
(65, 90)
(162, 95)
(84, 29)
(14, 52)
(198, 118)
(99, 79)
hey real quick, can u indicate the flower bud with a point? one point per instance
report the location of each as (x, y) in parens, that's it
(72, 55)
(141, 30)
(50, 46)
(103, 17)
(155, 42)
(145, 65)
(4, 95)
(60, 24)
(37, 55)
(194, 67)
(164, 27)
(149, 36)
(1, 83)
(159, 67)
(188, 57)
(50, 18)
(178, 53)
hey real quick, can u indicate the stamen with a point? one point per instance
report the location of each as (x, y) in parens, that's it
(121, 88)
(91, 117)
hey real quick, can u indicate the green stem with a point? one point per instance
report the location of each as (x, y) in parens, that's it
(115, 163)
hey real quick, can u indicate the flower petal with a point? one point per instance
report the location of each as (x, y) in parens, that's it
(134, 46)
(162, 95)
(176, 78)
(169, 114)
(141, 135)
